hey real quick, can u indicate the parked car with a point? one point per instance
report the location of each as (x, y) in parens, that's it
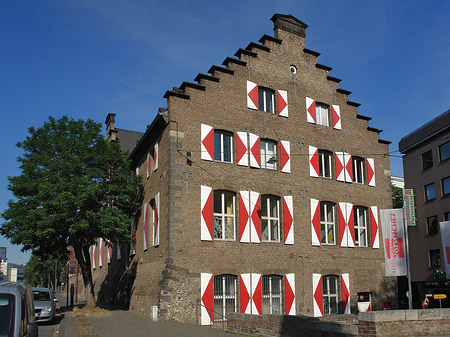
(17, 310)
(44, 304)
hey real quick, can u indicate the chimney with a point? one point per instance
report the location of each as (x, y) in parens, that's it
(110, 126)
(288, 23)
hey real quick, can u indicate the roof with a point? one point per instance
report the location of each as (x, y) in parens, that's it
(427, 131)
(128, 139)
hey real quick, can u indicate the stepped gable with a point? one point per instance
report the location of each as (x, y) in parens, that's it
(284, 22)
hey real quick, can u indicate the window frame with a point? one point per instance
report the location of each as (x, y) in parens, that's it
(445, 181)
(265, 92)
(427, 163)
(325, 155)
(223, 215)
(322, 110)
(327, 295)
(325, 224)
(223, 296)
(272, 296)
(221, 147)
(446, 145)
(270, 217)
(438, 258)
(358, 169)
(264, 155)
(360, 227)
(427, 198)
(432, 228)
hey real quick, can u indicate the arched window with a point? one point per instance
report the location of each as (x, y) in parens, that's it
(270, 218)
(265, 99)
(224, 215)
(322, 114)
(330, 294)
(224, 295)
(271, 295)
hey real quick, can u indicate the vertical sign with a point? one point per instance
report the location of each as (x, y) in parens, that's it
(394, 241)
(445, 235)
(408, 199)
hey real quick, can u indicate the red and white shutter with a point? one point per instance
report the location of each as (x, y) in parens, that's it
(244, 216)
(145, 226)
(315, 222)
(290, 294)
(156, 220)
(345, 285)
(374, 227)
(255, 151)
(100, 257)
(242, 148)
(136, 170)
(317, 295)
(346, 225)
(311, 110)
(207, 143)
(282, 103)
(285, 156)
(336, 116)
(206, 289)
(148, 164)
(246, 294)
(255, 218)
(350, 225)
(256, 294)
(370, 171)
(252, 95)
(206, 200)
(348, 167)
(93, 255)
(133, 239)
(288, 219)
(339, 165)
(313, 162)
(155, 156)
(109, 252)
(119, 252)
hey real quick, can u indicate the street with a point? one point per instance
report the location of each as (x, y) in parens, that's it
(48, 329)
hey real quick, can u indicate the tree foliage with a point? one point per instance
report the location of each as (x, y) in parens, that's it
(397, 197)
(74, 187)
(40, 272)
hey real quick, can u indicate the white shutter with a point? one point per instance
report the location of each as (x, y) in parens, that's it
(244, 216)
(288, 220)
(317, 295)
(336, 117)
(313, 162)
(290, 294)
(156, 220)
(255, 151)
(242, 148)
(206, 200)
(285, 156)
(252, 95)
(374, 227)
(310, 110)
(345, 285)
(348, 167)
(207, 142)
(155, 156)
(207, 298)
(315, 222)
(282, 103)
(245, 294)
(370, 171)
(255, 217)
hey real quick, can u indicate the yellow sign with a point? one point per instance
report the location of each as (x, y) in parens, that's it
(439, 296)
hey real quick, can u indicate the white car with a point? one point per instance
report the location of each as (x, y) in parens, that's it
(44, 304)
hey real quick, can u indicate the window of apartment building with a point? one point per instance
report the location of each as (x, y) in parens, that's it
(358, 170)
(322, 114)
(446, 186)
(268, 154)
(222, 146)
(224, 293)
(271, 295)
(447, 216)
(430, 192)
(265, 100)
(327, 227)
(427, 160)
(444, 151)
(324, 164)
(270, 218)
(330, 295)
(224, 227)
(360, 226)
(432, 225)
(435, 258)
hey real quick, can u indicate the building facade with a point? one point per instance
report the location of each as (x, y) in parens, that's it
(263, 186)
(426, 158)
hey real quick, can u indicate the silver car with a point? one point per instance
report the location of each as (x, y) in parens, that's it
(44, 304)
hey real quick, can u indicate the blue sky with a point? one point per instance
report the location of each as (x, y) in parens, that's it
(86, 58)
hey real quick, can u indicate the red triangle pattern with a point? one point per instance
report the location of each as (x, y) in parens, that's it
(290, 296)
(370, 172)
(253, 95)
(284, 156)
(240, 148)
(318, 296)
(208, 143)
(339, 165)
(281, 103)
(335, 116)
(245, 297)
(207, 213)
(243, 217)
(374, 226)
(257, 297)
(256, 219)
(208, 299)
(287, 220)
(255, 150)
(345, 294)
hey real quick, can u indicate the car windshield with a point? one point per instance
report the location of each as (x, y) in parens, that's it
(6, 315)
(41, 295)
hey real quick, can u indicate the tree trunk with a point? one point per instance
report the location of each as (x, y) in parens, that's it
(84, 261)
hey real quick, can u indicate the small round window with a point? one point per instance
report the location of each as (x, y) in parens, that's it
(293, 69)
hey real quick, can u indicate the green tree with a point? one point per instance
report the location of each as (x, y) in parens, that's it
(40, 271)
(397, 197)
(74, 187)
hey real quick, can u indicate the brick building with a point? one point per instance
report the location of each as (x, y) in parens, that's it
(262, 190)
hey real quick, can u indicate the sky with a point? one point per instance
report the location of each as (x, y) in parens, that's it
(87, 58)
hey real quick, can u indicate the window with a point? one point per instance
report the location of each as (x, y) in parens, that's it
(224, 215)
(430, 192)
(358, 170)
(327, 223)
(7, 310)
(444, 151)
(427, 160)
(222, 146)
(360, 226)
(446, 186)
(447, 216)
(265, 100)
(432, 225)
(435, 257)
(324, 164)
(224, 293)
(270, 218)
(330, 296)
(322, 114)
(268, 152)
(271, 295)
